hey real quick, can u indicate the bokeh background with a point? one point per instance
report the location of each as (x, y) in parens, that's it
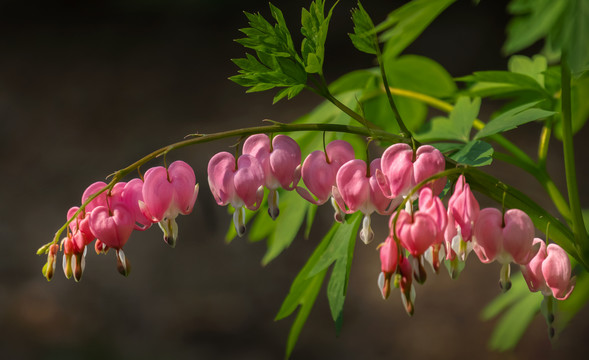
(88, 87)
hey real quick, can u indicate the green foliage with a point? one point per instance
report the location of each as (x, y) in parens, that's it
(564, 24)
(337, 246)
(364, 36)
(455, 127)
(520, 306)
(512, 119)
(277, 62)
(474, 153)
(314, 29)
(405, 24)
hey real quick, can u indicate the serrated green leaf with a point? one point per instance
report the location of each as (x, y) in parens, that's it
(474, 153)
(314, 28)
(512, 119)
(406, 23)
(364, 36)
(455, 127)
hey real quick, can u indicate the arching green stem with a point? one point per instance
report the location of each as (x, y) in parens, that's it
(277, 128)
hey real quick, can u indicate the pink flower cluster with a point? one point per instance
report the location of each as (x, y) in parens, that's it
(111, 217)
(424, 230)
(428, 232)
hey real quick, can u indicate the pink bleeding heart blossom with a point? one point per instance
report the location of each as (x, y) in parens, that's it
(549, 271)
(432, 205)
(463, 211)
(239, 184)
(166, 194)
(281, 162)
(416, 232)
(359, 191)
(319, 173)
(389, 257)
(402, 169)
(113, 227)
(505, 238)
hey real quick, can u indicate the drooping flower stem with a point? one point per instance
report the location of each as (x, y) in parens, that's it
(203, 138)
(580, 233)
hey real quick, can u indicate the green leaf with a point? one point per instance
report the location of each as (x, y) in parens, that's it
(455, 127)
(276, 63)
(576, 301)
(339, 251)
(364, 36)
(314, 29)
(355, 80)
(533, 67)
(287, 224)
(509, 81)
(519, 306)
(475, 153)
(405, 24)
(577, 49)
(420, 74)
(535, 19)
(512, 326)
(512, 119)
(303, 292)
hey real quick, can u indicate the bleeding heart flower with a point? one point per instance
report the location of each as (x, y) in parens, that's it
(240, 185)
(402, 169)
(359, 191)
(281, 163)
(463, 211)
(432, 205)
(505, 238)
(549, 271)
(113, 227)
(166, 194)
(319, 173)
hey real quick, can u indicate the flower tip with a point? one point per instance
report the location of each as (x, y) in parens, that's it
(273, 212)
(170, 240)
(123, 265)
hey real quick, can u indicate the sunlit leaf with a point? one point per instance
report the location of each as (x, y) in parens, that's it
(455, 127)
(474, 153)
(364, 36)
(512, 119)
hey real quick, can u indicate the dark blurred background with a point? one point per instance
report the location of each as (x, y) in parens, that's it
(88, 87)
